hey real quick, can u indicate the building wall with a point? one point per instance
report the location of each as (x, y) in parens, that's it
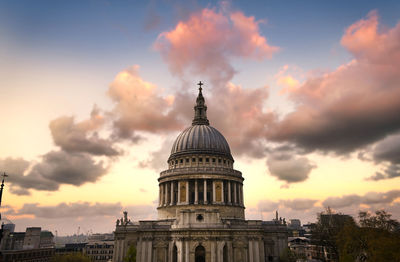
(223, 239)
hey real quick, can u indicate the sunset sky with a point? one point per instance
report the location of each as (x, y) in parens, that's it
(93, 94)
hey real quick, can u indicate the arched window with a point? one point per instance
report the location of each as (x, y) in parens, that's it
(200, 254)
(225, 254)
(174, 254)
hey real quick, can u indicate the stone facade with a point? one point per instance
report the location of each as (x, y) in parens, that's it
(201, 208)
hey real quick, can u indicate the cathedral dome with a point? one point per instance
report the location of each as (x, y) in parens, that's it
(201, 139)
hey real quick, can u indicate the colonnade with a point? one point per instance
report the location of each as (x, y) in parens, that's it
(201, 191)
(219, 251)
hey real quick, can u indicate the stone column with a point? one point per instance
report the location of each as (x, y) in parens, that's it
(222, 192)
(229, 193)
(186, 251)
(230, 251)
(262, 251)
(256, 252)
(187, 192)
(143, 252)
(205, 191)
(178, 201)
(139, 250)
(161, 194)
(237, 192)
(196, 193)
(241, 194)
(251, 259)
(149, 250)
(166, 193)
(172, 192)
(234, 193)
(220, 251)
(213, 191)
(213, 255)
(180, 251)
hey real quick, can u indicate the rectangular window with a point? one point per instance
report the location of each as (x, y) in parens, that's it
(187, 160)
(213, 160)
(200, 159)
(193, 159)
(207, 160)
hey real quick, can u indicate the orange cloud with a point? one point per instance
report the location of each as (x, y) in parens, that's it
(205, 43)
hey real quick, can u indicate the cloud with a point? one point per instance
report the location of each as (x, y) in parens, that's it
(70, 210)
(267, 205)
(54, 169)
(288, 78)
(370, 198)
(229, 107)
(95, 217)
(73, 137)
(205, 42)
(13, 166)
(286, 166)
(68, 168)
(299, 203)
(344, 201)
(240, 115)
(388, 150)
(158, 159)
(139, 107)
(353, 106)
(386, 153)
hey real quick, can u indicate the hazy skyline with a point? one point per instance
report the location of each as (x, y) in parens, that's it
(93, 94)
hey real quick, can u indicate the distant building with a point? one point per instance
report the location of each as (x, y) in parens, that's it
(100, 251)
(32, 237)
(28, 255)
(301, 247)
(12, 241)
(71, 248)
(33, 245)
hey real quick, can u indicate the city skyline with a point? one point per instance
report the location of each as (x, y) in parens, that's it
(94, 94)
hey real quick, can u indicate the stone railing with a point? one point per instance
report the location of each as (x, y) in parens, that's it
(204, 170)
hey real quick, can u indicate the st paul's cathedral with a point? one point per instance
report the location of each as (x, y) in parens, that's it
(201, 209)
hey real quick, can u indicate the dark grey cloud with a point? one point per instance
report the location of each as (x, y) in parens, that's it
(13, 166)
(288, 166)
(68, 168)
(388, 150)
(54, 169)
(83, 136)
(387, 153)
(370, 198)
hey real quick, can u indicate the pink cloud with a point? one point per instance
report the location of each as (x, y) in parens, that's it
(208, 39)
(139, 105)
(356, 104)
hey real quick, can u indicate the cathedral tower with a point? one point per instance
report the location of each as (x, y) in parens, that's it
(200, 171)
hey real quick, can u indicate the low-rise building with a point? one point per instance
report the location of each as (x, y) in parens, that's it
(100, 251)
